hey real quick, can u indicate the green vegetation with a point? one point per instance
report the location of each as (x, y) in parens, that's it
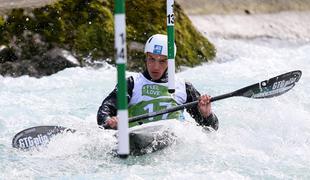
(1, 25)
(86, 28)
(1, 22)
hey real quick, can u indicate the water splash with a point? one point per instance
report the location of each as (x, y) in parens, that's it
(257, 139)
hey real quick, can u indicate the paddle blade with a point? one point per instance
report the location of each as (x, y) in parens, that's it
(270, 88)
(37, 136)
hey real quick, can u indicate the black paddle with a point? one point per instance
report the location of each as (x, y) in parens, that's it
(37, 136)
(40, 135)
(265, 89)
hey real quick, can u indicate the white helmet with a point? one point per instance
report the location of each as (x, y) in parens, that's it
(157, 44)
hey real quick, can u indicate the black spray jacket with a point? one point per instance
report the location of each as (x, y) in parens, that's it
(109, 109)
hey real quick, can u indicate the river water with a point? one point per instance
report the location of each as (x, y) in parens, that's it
(257, 139)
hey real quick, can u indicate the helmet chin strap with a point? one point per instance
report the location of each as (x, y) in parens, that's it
(162, 79)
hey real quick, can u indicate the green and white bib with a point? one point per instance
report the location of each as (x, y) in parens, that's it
(148, 96)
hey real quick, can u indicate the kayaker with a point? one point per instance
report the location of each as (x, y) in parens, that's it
(148, 92)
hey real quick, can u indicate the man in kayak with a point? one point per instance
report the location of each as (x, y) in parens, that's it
(148, 92)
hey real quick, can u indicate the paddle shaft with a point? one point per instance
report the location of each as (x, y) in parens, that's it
(177, 108)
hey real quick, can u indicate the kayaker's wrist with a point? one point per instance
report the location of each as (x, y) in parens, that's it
(105, 125)
(111, 123)
(210, 115)
(205, 114)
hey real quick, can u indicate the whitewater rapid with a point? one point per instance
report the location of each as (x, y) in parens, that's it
(257, 139)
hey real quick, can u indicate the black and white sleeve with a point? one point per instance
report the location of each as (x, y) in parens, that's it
(108, 107)
(193, 95)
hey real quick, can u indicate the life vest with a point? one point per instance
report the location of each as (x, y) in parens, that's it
(149, 96)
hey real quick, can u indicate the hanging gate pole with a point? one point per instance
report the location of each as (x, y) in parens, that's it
(171, 50)
(121, 60)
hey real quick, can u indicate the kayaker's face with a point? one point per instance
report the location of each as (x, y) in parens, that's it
(156, 65)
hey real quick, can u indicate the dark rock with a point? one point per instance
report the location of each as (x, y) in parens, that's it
(31, 55)
(7, 54)
(38, 66)
(48, 65)
(247, 12)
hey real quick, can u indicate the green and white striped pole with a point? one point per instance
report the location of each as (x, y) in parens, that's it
(170, 32)
(121, 59)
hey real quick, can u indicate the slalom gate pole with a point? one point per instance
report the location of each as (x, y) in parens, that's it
(121, 60)
(171, 50)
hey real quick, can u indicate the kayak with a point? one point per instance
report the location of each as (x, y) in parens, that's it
(150, 137)
(146, 138)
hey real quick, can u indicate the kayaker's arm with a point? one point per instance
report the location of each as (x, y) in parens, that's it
(108, 107)
(193, 95)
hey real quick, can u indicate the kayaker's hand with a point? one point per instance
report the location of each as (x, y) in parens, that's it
(204, 105)
(112, 122)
